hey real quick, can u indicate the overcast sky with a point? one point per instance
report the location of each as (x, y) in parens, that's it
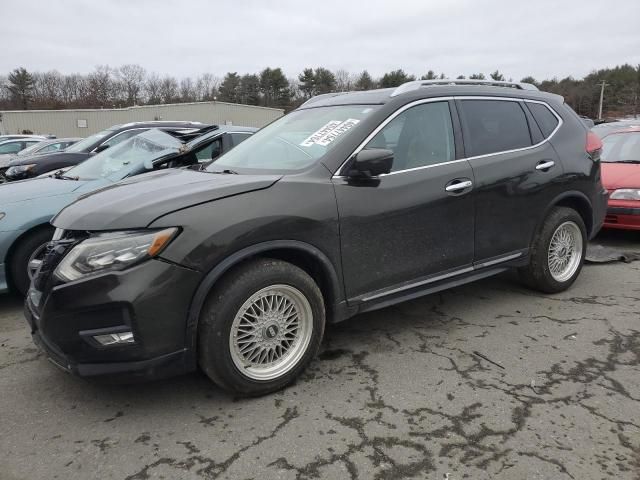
(543, 38)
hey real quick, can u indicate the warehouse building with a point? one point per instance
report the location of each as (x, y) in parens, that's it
(84, 122)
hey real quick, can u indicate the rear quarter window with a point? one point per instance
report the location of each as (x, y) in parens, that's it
(493, 126)
(545, 119)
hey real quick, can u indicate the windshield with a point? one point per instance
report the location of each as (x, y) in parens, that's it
(620, 147)
(296, 140)
(117, 162)
(88, 142)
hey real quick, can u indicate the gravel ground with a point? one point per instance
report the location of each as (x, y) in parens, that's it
(488, 380)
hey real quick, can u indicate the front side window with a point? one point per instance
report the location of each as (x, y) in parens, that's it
(493, 126)
(297, 140)
(13, 147)
(418, 137)
(210, 152)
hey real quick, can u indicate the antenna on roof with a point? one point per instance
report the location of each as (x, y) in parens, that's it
(416, 84)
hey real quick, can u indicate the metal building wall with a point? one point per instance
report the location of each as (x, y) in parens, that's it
(65, 123)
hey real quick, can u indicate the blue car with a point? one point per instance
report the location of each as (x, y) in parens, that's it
(26, 207)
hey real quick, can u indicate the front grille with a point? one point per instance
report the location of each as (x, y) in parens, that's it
(611, 219)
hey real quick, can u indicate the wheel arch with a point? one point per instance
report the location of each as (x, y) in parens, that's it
(303, 255)
(12, 248)
(576, 200)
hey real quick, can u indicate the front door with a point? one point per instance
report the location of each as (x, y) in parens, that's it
(416, 221)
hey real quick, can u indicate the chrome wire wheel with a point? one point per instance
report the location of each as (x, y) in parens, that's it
(271, 332)
(565, 251)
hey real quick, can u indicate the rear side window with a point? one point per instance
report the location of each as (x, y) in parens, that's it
(493, 126)
(546, 120)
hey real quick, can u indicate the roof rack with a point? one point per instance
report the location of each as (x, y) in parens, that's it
(416, 84)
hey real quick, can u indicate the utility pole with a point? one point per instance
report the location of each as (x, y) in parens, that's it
(602, 85)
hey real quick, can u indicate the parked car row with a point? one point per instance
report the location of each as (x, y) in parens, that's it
(28, 207)
(352, 202)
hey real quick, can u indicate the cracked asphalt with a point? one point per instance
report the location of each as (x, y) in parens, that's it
(488, 380)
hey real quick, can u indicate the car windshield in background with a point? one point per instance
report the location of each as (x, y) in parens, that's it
(82, 145)
(117, 162)
(31, 149)
(621, 147)
(295, 141)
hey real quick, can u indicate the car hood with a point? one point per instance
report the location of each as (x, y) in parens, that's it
(620, 175)
(5, 158)
(137, 202)
(48, 157)
(37, 188)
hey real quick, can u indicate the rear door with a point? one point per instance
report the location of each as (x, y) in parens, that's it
(514, 168)
(417, 221)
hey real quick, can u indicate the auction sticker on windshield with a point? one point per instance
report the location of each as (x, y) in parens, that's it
(329, 132)
(318, 134)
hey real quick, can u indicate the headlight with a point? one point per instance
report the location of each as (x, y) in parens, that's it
(18, 169)
(112, 251)
(626, 194)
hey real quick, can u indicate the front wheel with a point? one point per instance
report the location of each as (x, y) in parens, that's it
(557, 252)
(260, 327)
(27, 256)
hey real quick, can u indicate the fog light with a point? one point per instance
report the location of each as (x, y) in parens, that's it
(121, 338)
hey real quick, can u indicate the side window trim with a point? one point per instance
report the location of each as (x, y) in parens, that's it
(511, 99)
(457, 128)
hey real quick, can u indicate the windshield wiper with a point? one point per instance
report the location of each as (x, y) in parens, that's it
(225, 171)
(61, 176)
(625, 161)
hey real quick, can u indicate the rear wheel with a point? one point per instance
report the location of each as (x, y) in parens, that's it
(557, 252)
(260, 327)
(26, 257)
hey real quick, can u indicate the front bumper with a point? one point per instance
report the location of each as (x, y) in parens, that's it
(150, 299)
(623, 218)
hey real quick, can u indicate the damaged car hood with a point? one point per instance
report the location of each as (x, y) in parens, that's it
(137, 202)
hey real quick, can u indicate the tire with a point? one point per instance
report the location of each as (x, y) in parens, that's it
(553, 267)
(19, 261)
(231, 347)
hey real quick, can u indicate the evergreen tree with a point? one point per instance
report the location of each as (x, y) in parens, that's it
(21, 87)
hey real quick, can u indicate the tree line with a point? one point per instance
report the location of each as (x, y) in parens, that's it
(128, 85)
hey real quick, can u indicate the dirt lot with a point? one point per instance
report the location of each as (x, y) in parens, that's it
(488, 380)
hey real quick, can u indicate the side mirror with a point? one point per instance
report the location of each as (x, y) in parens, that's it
(101, 148)
(371, 162)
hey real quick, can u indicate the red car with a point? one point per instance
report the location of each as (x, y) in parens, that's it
(621, 177)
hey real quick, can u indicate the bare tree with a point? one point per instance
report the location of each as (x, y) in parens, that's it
(153, 87)
(101, 86)
(168, 89)
(132, 79)
(344, 80)
(207, 87)
(187, 90)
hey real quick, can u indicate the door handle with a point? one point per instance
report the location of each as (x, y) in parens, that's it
(545, 165)
(460, 185)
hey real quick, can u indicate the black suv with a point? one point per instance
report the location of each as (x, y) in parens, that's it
(22, 168)
(352, 202)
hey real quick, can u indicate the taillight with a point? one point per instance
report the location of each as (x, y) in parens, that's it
(593, 146)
